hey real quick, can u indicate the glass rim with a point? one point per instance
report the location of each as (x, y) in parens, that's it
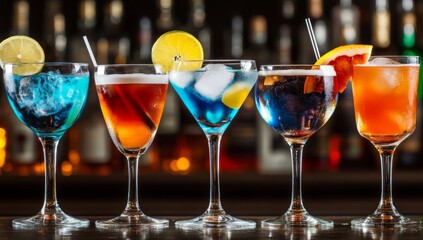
(128, 65)
(393, 57)
(298, 69)
(294, 65)
(214, 60)
(46, 63)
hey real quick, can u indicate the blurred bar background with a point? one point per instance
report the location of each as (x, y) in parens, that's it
(341, 169)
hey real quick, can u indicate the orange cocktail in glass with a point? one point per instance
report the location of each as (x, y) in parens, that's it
(132, 98)
(385, 100)
(385, 103)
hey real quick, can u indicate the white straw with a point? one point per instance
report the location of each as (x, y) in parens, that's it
(90, 51)
(312, 38)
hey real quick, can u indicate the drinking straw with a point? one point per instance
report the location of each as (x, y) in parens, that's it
(312, 38)
(90, 51)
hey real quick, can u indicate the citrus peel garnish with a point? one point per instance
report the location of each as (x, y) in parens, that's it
(343, 59)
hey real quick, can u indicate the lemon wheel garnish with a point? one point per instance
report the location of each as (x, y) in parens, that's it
(177, 45)
(22, 49)
(235, 95)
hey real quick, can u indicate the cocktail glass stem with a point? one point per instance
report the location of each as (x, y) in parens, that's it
(297, 215)
(215, 215)
(386, 206)
(215, 206)
(296, 206)
(132, 215)
(386, 214)
(51, 205)
(50, 213)
(132, 205)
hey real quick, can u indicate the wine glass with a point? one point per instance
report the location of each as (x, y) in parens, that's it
(132, 98)
(49, 102)
(213, 91)
(385, 103)
(296, 101)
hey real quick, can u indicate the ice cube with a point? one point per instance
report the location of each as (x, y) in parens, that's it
(388, 76)
(382, 61)
(181, 79)
(392, 78)
(399, 120)
(43, 94)
(213, 81)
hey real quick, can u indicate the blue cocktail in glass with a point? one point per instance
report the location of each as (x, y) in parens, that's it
(296, 101)
(49, 102)
(213, 92)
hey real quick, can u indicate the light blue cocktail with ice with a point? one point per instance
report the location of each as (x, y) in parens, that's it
(213, 94)
(49, 102)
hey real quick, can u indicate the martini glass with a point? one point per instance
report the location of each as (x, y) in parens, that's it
(213, 91)
(132, 97)
(296, 101)
(49, 102)
(385, 104)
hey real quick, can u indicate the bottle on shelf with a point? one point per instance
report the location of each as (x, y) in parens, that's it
(273, 152)
(90, 149)
(239, 145)
(144, 41)
(87, 21)
(237, 38)
(321, 31)
(22, 150)
(257, 45)
(170, 122)
(346, 146)
(317, 150)
(170, 125)
(285, 43)
(233, 39)
(345, 23)
(55, 31)
(113, 35)
(198, 27)
(410, 151)
(381, 28)
(165, 20)
(20, 23)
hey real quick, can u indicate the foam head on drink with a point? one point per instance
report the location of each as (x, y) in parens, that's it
(323, 71)
(135, 78)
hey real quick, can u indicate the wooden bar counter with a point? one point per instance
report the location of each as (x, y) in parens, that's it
(341, 230)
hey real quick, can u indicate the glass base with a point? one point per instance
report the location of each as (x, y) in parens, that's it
(56, 218)
(389, 221)
(297, 220)
(132, 220)
(215, 221)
